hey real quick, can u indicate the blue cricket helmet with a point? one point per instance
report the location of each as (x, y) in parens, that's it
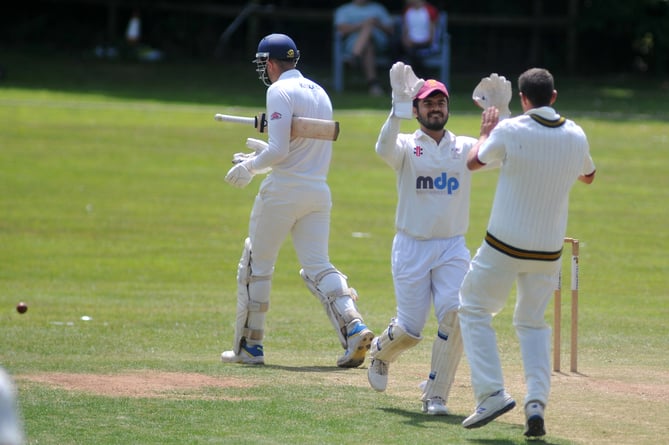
(274, 46)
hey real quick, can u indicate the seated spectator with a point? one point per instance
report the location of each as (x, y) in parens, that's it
(366, 27)
(419, 22)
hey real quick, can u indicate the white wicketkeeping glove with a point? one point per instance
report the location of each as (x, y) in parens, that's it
(405, 85)
(494, 91)
(254, 144)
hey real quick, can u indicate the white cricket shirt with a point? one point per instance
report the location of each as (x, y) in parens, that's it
(433, 181)
(542, 156)
(299, 159)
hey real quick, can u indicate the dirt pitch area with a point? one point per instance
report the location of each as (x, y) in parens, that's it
(621, 405)
(139, 384)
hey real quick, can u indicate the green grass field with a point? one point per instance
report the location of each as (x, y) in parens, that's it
(117, 229)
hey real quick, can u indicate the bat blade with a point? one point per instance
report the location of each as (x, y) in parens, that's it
(303, 127)
(306, 127)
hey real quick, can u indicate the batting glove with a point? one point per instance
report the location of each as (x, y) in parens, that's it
(494, 91)
(238, 158)
(258, 146)
(239, 175)
(405, 85)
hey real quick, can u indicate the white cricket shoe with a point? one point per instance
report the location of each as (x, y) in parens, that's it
(359, 340)
(534, 419)
(435, 406)
(491, 408)
(248, 354)
(377, 374)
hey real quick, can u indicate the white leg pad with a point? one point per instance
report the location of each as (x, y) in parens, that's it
(252, 301)
(446, 354)
(393, 342)
(340, 320)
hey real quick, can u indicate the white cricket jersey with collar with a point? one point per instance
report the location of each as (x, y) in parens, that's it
(298, 160)
(542, 155)
(433, 181)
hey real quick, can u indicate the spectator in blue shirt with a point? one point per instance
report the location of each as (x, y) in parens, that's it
(366, 27)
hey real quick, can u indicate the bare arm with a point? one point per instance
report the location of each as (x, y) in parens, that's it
(587, 179)
(388, 29)
(347, 28)
(489, 119)
(372, 22)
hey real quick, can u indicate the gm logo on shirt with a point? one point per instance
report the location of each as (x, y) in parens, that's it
(442, 182)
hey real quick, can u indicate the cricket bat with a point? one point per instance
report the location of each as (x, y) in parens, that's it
(303, 127)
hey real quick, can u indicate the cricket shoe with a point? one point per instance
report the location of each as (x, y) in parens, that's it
(491, 408)
(435, 406)
(534, 419)
(358, 340)
(248, 354)
(377, 374)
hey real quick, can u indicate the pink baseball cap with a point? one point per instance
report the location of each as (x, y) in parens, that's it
(429, 87)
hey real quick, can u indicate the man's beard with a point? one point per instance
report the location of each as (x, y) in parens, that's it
(431, 124)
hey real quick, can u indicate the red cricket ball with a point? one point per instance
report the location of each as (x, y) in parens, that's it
(21, 308)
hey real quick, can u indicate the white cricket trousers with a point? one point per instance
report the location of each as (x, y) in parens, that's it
(299, 210)
(426, 273)
(484, 292)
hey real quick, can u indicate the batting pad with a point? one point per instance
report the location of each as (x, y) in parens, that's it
(393, 342)
(447, 351)
(252, 302)
(327, 292)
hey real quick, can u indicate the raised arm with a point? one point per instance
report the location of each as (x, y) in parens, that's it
(489, 119)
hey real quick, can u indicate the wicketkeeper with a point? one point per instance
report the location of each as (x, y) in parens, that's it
(294, 199)
(429, 256)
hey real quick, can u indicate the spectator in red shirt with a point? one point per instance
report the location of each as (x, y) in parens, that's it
(419, 22)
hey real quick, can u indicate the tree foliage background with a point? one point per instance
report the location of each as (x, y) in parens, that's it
(624, 36)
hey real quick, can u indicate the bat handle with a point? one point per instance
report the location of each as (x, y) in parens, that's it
(235, 119)
(260, 122)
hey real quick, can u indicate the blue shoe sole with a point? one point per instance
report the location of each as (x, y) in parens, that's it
(492, 417)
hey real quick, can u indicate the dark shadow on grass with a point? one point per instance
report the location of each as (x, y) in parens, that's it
(492, 441)
(306, 368)
(570, 374)
(415, 418)
(199, 82)
(418, 419)
(532, 441)
(175, 80)
(519, 430)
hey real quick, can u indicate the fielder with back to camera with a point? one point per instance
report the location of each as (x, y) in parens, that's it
(293, 199)
(429, 257)
(543, 154)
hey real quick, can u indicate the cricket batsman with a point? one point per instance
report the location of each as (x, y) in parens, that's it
(294, 199)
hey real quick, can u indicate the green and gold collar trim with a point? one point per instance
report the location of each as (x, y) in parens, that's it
(551, 123)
